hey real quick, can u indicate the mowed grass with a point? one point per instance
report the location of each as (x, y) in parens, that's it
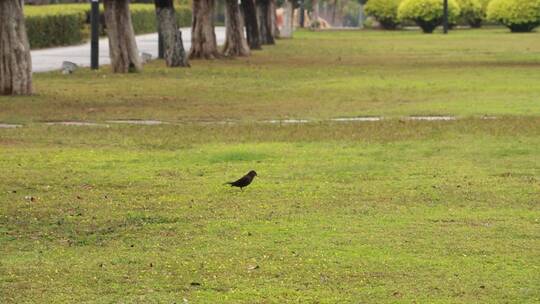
(314, 75)
(394, 211)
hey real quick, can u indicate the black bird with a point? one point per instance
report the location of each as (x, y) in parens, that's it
(244, 181)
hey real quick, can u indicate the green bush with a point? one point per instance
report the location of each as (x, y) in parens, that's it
(143, 17)
(68, 24)
(183, 13)
(55, 30)
(427, 14)
(385, 11)
(517, 15)
(472, 12)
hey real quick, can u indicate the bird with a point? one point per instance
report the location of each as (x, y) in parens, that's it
(244, 181)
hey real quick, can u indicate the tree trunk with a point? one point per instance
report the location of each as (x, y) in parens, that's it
(315, 17)
(122, 45)
(273, 18)
(203, 37)
(252, 27)
(288, 20)
(235, 41)
(175, 55)
(15, 60)
(264, 18)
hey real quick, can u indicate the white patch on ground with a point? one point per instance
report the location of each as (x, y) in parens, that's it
(489, 117)
(9, 126)
(211, 122)
(432, 118)
(365, 118)
(286, 121)
(232, 122)
(75, 123)
(138, 122)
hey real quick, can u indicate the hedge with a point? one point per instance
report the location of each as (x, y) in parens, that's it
(54, 30)
(428, 14)
(517, 15)
(68, 24)
(143, 17)
(385, 11)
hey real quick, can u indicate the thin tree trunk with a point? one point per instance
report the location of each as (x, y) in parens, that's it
(264, 18)
(203, 37)
(175, 55)
(273, 19)
(252, 27)
(288, 20)
(122, 45)
(334, 12)
(315, 17)
(15, 60)
(235, 41)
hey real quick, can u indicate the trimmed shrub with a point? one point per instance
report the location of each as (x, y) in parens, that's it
(55, 30)
(69, 24)
(517, 15)
(385, 11)
(183, 13)
(143, 17)
(428, 14)
(472, 12)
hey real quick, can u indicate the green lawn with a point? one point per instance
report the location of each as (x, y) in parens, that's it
(395, 211)
(315, 75)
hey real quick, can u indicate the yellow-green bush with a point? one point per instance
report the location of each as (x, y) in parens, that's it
(517, 15)
(428, 14)
(385, 11)
(472, 12)
(484, 4)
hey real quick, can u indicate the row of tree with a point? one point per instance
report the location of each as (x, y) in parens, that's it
(257, 17)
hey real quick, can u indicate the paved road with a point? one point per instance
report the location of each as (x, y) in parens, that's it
(51, 59)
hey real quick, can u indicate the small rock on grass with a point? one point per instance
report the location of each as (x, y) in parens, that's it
(69, 67)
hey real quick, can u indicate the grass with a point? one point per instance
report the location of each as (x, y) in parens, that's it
(468, 73)
(394, 211)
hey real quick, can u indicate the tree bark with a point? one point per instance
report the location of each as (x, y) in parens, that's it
(288, 20)
(235, 41)
(264, 18)
(273, 19)
(252, 27)
(122, 45)
(315, 17)
(175, 55)
(203, 37)
(15, 60)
